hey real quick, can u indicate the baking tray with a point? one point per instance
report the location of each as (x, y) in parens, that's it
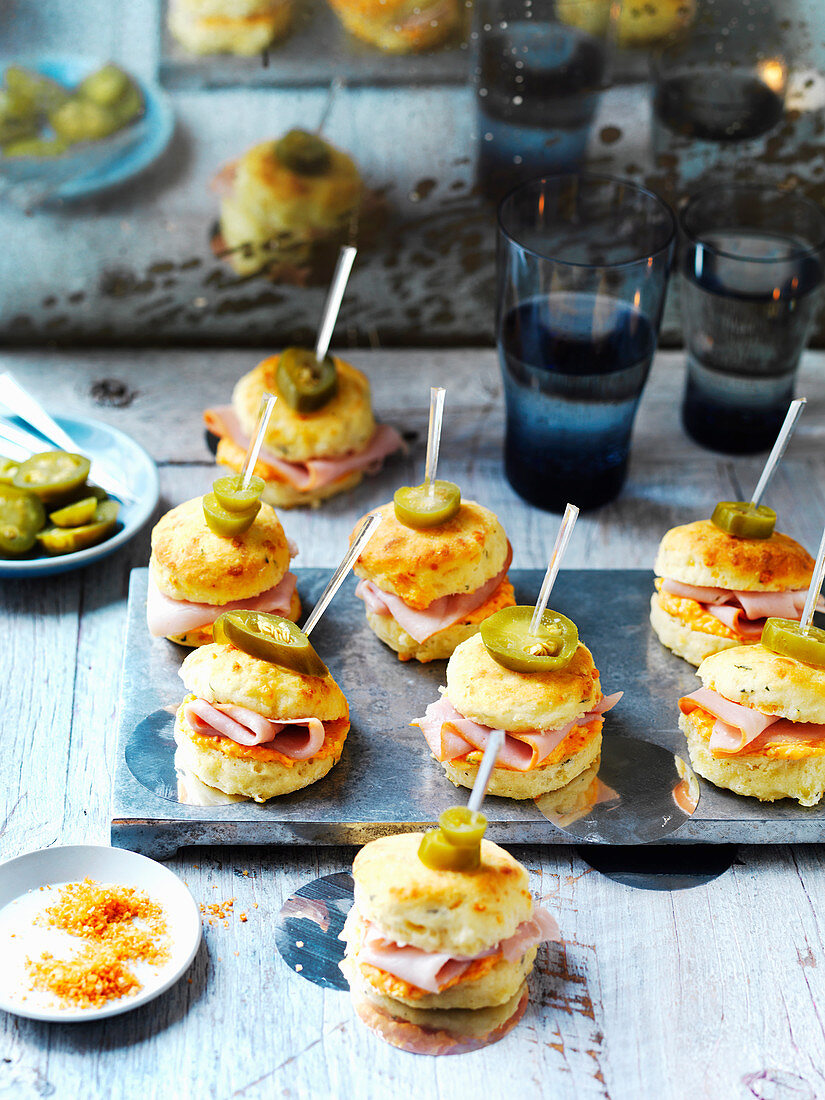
(317, 50)
(386, 780)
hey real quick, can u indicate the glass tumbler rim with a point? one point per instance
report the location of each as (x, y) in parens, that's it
(695, 237)
(590, 177)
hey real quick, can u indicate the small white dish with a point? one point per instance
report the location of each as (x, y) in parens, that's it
(21, 880)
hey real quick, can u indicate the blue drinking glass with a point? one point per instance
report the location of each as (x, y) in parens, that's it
(752, 261)
(583, 264)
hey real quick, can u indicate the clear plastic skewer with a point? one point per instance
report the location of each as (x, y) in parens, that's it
(437, 396)
(815, 587)
(571, 514)
(268, 402)
(365, 533)
(346, 258)
(793, 414)
(485, 769)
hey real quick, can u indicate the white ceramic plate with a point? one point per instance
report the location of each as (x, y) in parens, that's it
(131, 463)
(20, 882)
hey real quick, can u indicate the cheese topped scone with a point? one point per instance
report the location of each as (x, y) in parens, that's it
(243, 27)
(254, 727)
(444, 950)
(308, 455)
(196, 574)
(714, 590)
(757, 725)
(552, 720)
(428, 589)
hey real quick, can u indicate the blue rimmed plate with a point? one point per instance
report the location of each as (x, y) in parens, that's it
(152, 132)
(133, 465)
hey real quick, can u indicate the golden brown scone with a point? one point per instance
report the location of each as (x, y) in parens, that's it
(754, 676)
(496, 983)
(190, 562)
(788, 770)
(442, 644)
(458, 912)
(692, 638)
(574, 755)
(421, 566)
(272, 213)
(243, 28)
(255, 771)
(700, 553)
(399, 26)
(481, 689)
(459, 1022)
(224, 674)
(639, 23)
(345, 424)
(203, 635)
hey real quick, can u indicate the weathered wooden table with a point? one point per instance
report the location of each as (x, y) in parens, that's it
(711, 991)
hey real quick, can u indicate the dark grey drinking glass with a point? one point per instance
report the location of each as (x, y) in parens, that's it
(751, 261)
(583, 264)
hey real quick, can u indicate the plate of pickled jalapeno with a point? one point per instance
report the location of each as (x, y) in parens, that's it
(53, 519)
(67, 113)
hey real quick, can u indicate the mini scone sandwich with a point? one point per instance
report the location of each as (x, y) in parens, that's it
(757, 725)
(243, 27)
(543, 690)
(218, 553)
(718, 580)
(283, 198)
(431, 575)
(263, 716)
(322, 436)
(400, 26)
(441, 937)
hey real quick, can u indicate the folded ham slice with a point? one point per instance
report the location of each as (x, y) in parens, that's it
(450, 735)
(440, 614)
(738, 728)
(297, 738)
(743, 612)
(166, 616)
(432, 971)
(315, 473)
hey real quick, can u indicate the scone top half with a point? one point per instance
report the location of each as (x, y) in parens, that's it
(195, 574)
(400, 26)
(427, 590)
(715, 590)
(441, 939)
(306, 457)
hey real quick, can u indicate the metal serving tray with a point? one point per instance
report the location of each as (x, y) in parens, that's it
(386, 780)
(316, 50)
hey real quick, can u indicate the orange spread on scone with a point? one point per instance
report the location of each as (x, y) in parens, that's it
(391, 986)
(803, 748)
(504, 596)
(336, 732)
(692, 614)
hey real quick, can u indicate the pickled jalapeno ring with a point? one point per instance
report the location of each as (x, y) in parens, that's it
(305, 383)
(787, 638)
(509, 641)
(21, 516)
(303, 153)
(463, 827)
(225, 523)
(231, 496)
(744, 519)
(67, 540)
(53, 475)
(269, 638)
(76, 514)
(437, 853)
(418, 507)
(8, 468)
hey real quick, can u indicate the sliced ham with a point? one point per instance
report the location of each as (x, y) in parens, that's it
(297, 738)
(738, 726)
(166, 616)
(743, 612)
(440, 614)
(450, 735)
(433, 971)
(315, 473)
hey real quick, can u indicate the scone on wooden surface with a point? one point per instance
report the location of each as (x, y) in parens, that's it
(715, 590)
(757, 726)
